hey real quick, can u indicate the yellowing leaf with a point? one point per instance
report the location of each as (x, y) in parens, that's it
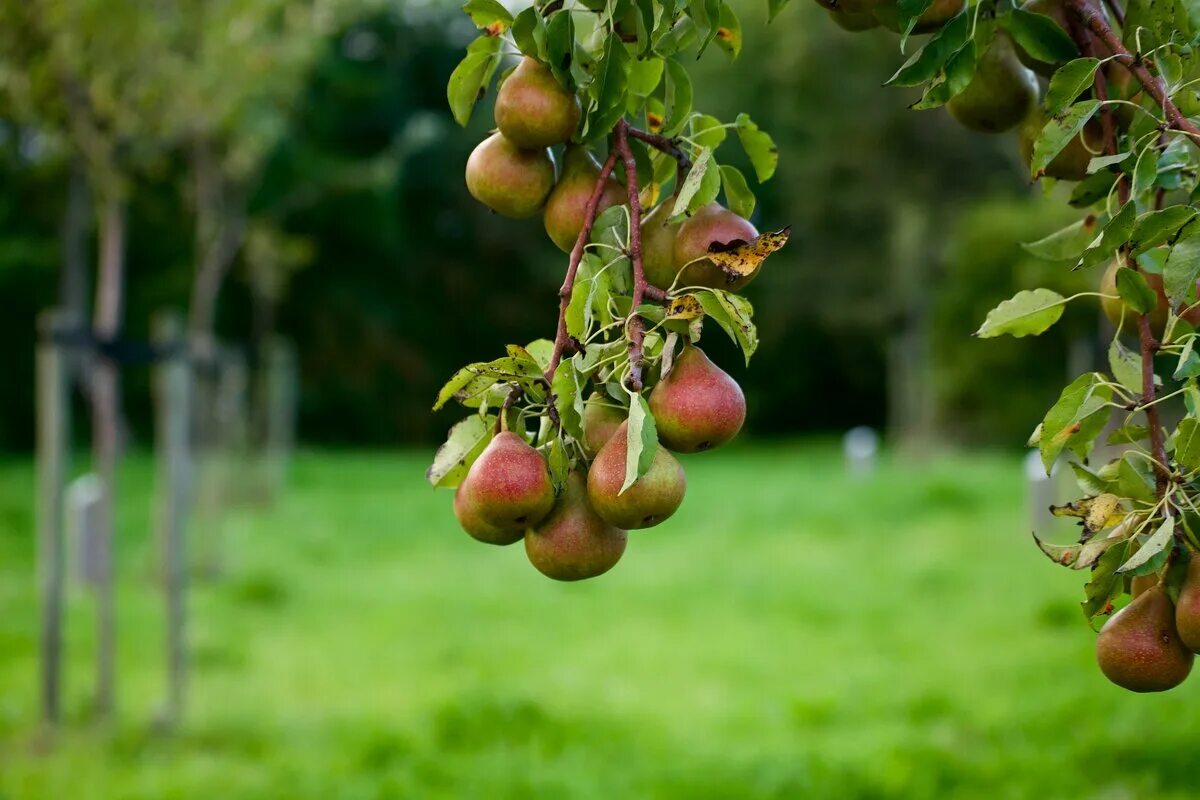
(648, 197)
(742, 259)
(686, 307)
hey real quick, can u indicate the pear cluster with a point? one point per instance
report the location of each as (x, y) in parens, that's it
(580, 532)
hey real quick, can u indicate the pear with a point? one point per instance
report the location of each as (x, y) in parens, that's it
(854, 23)
(712, 225)
(508, 486)
(1000, 95)
(601, 418)
(533, 110)
(1114, 306)
(938, 14)
(658, 245)
(1072, 162)
(567, 205)
(573, 542)
(1141, 583)
(508, 180)
(1055, 10)
(1139, 649)
(651, 499)
(1187, 610)
(698, 406)
(472, 523)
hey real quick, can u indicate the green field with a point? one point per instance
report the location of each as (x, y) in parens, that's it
(790, 633)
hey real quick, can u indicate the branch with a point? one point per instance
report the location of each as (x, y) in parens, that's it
(635, 327)
(664, 145)
(1115, 9)
(1096, 22)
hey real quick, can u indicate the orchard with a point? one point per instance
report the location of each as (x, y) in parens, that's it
(573, 441)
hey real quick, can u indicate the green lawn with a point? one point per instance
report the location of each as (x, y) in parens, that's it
(790, 633)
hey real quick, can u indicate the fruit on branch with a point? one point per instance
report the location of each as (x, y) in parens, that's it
(711, 226)
(658, 245)
(510, 181)
(1071, 163)
(1141, 583)
(533, 109)
(1000, 95)
(854, 23)
(1055, 10)
(938, 14)
(573, 542)
(508, 486)
(1139, 649)
(566, 207)
(1187, 610)
(1114, 307)
(472, 523)
(601, 418)
(697, 406)
(651, 499)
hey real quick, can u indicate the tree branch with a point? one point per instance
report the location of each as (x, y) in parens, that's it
(665, 145)
(635, 326)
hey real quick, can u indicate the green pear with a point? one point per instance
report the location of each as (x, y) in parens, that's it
(1141, 583)
(711, 226)
(1071, 163)
(567, 204)
(472, 523)
(1114, 307)
(573, 542)
(651, 499)
(1187, 610)
(658, 245)
(854, 23)
(508, 486)
(698, 406)
(508, 180)
(601, 418)
(938, 14)
(1139, 649)
(1000, 95)
(534, 110)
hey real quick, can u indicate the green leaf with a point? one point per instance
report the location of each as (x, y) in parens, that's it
(1084, 400)
(774, 7)
(1092, 189)
(957, 75)
(1145, 173)
(608, 90)
(1116, 234)
(1125, 364)
(1105, 582)
(462, 446)
(485, 13)
(729, 32)
(641, 439)
(907, 13)
(1144, 561)
(1134, 480)
(734, 314)
(923, 65)
(560, 45)
(1187, 444)
(1158, 227)
(1134, 290)
(699, 188)
(1027, 313)
(1041, 37)
(1104, 162)
(559, 464)
(529, 32)
(1068, 82)
(759, 147)
(470, 79)
(677, 98)
(1066, 244)
(1058, 133)
(738, 196)
(1183, 264)
(644, 76)
(707, 131)
(1188, 365)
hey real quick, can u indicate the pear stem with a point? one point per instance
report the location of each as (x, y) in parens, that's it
(635, 327)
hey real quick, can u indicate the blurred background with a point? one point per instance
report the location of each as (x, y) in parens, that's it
(288, 178)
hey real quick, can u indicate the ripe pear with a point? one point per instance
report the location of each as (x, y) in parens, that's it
(1114, 306)
(1187, 610)
(658, 245)
(698, 406)
(601, 418)
(573, 542)
(711, 225)
(1000, 95)
(1072, 162)
(472, 523)
(1141, 583)
(508, 180)
(508, 486)
(567, 205)
(651, 499)
(1139, 649)
(533, 109)
(938, 14)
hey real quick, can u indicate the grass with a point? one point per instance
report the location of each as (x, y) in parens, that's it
(790, 633)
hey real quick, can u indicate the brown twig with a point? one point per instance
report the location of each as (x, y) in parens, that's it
(1115, 9)
(635, 327)
(683, 162)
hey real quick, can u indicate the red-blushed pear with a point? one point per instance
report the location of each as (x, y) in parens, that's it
(508, 486)
(1114, 307)
(508, 180)
(1139, 649)
(601, 418)
(567, 205)
(573, 542)
(710, 225)
(473, 524)
(698, 406)
(533, 109)
(1187, 610)
(651, 499)
(1141, 583)
(658, 245)
(1000, 95)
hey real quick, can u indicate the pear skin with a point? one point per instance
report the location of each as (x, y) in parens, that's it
(1141, 583)
(650, 500)
(533, 110)
(658, 245)
(1139, 649)
(472, 523)
(1114, 306)
(938, 14)
(510, 181)
(711, 225)
(854, 23)
(1187, 610)
(698, 406)
(1071, 164)
(567, 205)
(1001, 94)
(601, 418)
(573, 543)
(508, 486)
